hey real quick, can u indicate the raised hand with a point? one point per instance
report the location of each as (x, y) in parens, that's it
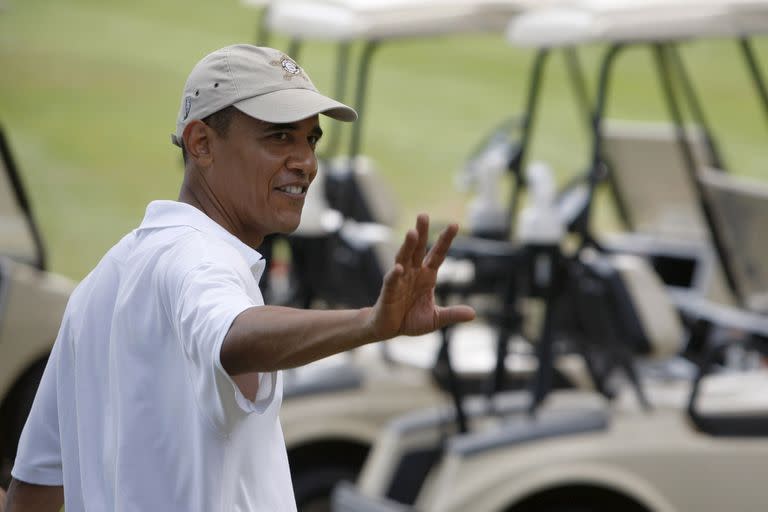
(406, 304)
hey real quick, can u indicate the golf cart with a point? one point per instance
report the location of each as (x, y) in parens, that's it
(336, 408)
(664, 443)
(32, 302)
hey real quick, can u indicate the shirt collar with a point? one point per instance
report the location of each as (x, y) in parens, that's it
(163, 214)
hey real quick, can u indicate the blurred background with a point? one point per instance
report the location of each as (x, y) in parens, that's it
(89, 91)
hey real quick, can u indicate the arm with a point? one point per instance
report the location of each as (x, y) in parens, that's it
(24, 497)
(269, 338)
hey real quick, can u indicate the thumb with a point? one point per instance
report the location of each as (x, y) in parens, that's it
(449, 315)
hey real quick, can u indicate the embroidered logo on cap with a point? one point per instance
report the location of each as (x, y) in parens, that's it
(290, 67)
(187, 106)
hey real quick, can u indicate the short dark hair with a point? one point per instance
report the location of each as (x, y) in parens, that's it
(219, 121)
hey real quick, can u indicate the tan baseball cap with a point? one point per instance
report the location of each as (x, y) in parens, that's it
(262, 82)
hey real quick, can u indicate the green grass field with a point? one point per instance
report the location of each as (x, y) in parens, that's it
(89, 92)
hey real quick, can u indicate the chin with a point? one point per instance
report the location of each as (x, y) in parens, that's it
(289, 226)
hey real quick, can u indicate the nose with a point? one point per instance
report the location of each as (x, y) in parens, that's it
(303, 160)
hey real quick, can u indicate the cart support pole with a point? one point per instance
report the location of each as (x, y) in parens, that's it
(362, 85)
(754, 69)
(662, 63)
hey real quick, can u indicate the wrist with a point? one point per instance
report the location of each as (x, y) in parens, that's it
(369, 332)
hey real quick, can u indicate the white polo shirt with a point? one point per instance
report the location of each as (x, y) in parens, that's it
(135, 412)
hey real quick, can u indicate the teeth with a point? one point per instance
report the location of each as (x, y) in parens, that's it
(293, 189)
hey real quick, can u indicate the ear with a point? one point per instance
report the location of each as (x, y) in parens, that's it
(197, 142)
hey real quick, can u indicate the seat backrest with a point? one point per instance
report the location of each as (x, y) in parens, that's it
(652, 305)
(649, 173)
(740, 207)
(363, 179)
(635, 301)
(650, 177)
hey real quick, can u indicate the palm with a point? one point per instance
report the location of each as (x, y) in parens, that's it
(406, 304)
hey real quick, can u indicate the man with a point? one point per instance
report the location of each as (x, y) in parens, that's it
(163, 388)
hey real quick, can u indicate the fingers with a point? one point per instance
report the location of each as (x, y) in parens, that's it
(454, 314)
(438, 251)
(405, 253)
(422, 229)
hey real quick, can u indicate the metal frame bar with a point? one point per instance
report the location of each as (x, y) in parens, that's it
(597, 169)
(23, 200)
(757, 75)
(294, 48)
(517, 162)
(580, 88)
(263, 34)
(340, 91)
(694, 105)
(362, 84)
(663, 66)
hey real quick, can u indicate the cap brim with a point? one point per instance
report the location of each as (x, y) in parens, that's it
(291, 105)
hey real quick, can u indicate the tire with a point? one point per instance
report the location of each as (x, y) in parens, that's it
(579, 499)
(15, 412)
(313, 486)
(577, 508)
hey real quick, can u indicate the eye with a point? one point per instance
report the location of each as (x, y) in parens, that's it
(313, 140)
(281, 136)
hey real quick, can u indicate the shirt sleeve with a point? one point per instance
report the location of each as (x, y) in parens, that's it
(38, 459)
(207, 300)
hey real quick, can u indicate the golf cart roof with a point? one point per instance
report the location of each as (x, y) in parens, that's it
(345, 20)
(586, 21)
(258, 4)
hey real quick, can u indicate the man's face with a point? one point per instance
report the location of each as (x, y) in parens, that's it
(261, 172)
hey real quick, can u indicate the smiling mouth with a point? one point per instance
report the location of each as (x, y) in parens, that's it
(293, 190)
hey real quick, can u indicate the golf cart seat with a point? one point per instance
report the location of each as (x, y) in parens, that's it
(613, 309)
(650, 180)
(740, 206)
(652, 186)
(477, 265)
(366, 197)
(729, 404)
(733, 405)
(623, 298)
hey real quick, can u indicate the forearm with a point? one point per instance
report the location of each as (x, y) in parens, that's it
(270, 338)
(24, 497)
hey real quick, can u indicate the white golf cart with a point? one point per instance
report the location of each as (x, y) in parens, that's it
(335, 409)
(666, 443)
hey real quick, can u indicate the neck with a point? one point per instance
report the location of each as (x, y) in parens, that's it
(197, 193)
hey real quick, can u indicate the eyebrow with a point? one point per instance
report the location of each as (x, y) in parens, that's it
(316, 131)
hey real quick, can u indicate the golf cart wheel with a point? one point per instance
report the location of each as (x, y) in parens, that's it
(14, 411)
(595, 506)
(578, 498)
(313, 486)
(578, 508)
